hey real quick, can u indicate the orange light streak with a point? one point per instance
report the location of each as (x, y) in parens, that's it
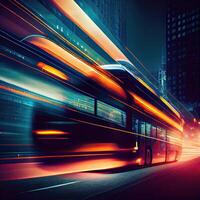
(97, 147)
(72, 11)
(50, 132)
(52, 70)
(170, 107)
(146, 85)
(77, 64)
(155, 111)
(17, 171)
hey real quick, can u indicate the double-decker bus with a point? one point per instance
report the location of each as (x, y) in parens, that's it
(78, 104)
(123, 111)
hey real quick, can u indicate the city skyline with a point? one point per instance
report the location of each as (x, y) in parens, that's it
(183, 78)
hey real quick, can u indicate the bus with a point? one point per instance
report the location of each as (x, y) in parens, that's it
(75, 103)
(119, 109)
(111, 109)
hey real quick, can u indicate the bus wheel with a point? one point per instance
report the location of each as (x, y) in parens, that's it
(148, 157)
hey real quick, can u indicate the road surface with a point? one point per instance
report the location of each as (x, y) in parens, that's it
(78, 180)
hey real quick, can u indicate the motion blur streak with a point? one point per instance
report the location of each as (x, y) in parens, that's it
(98, 147)
(52, 70)
(190, 150)
(32, 84)
(71, 10)
(174, 140)
(77, 64)
(145, 85)
(22, 93)
(15, 27)
(170, 107)
(18, 171)
(162, 99)
(155, 111)
(50, 132)
(54, 156)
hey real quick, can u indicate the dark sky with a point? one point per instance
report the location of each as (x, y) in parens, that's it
(146, 31)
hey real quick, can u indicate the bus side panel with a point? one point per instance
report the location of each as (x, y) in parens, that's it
(171, 152)
(159, 152)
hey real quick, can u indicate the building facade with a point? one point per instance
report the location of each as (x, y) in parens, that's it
(113, 15)
(183, 52)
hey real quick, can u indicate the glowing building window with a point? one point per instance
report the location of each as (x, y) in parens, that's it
(79, 101)
(111, 113)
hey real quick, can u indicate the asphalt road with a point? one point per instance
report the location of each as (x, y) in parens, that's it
(65, 181)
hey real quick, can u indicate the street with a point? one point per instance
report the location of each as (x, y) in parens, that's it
(178, 180)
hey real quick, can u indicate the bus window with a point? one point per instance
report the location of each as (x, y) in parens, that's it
(165, 134)
(79, 101)
(111, 113)
(161, 133)
(135, 126)
(142, 127)
(153, 131)
(148, 129)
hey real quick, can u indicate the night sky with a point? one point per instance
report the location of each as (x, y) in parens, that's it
(146, 31)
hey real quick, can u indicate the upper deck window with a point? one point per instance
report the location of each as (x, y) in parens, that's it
(79, 101)
(142, 127)
(161, 133)
(135, 126)
(153, 131)
(111, 113)
(148, 129)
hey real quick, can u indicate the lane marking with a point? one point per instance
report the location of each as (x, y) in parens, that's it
(53, 186)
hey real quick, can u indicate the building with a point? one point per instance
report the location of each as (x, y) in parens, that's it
(183, 52)
(112, 15)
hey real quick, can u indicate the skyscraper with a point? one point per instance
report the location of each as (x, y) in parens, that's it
(112, 15)
(183, 52)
